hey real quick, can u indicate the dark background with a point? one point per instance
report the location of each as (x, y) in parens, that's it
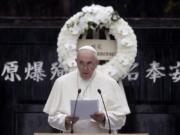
(28, 32)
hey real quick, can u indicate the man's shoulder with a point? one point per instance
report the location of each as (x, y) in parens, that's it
(67, 76)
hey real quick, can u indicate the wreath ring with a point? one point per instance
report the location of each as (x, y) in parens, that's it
(93, 17)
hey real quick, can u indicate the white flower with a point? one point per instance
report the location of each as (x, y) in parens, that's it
(109, 9)
(70, 47)
(123, 60)
(126, 42)
(112, 71)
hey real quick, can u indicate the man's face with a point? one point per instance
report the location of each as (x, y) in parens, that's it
(86, 63)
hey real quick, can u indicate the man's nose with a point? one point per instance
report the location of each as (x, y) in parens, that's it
(85, 67)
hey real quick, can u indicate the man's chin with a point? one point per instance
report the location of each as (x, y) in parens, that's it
(86, 77)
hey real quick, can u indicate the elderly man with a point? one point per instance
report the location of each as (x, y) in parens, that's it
(89, 80)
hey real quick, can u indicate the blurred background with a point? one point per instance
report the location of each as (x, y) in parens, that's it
(28, 38)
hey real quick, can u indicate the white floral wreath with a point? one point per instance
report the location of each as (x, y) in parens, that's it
(92, 17)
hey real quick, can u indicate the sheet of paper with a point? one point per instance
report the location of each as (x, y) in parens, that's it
(84, 108)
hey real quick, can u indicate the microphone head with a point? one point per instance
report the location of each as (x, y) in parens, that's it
(79, 91)
(99, 91)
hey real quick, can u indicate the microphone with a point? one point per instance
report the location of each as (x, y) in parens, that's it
(99, 91)
(74, 112)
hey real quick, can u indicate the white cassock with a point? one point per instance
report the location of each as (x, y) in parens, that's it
(66, 88)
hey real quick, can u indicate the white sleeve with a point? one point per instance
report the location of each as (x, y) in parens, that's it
(116, 122)
(57, 121)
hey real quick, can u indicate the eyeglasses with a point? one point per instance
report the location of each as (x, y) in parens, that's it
(88, 65)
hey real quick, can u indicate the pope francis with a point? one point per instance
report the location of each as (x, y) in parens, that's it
(112, 112)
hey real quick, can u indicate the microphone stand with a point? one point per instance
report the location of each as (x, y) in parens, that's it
(72, 129)
(99, 91)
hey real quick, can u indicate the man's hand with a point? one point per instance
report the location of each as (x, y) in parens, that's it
(69, 120)
(99, 117)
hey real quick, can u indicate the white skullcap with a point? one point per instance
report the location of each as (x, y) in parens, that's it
(87, 47)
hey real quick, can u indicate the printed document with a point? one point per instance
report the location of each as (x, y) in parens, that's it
(84, 108)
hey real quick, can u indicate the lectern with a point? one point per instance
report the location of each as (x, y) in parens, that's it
(88, 134)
